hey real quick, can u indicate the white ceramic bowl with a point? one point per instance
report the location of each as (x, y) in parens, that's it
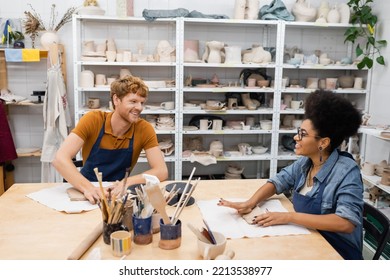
(259, 149)
(266, 124)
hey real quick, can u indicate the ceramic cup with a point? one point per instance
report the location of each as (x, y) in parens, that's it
(232, 103)
(170, 235)
(266, 124)
(331, 83)
(142, 228)
(296, 123)
(287, 100)
(110, 80)
(251, 82)
(358, 83)
(93, 103)
(368, 168)
(168, 105)
(250, 121)
(101, 79)
(156, 222)
(217, 125)
(210, 251)
(295, 105)
(205, 124)
(111, 56)
(127, 56)
(119, 57)
(120, 243)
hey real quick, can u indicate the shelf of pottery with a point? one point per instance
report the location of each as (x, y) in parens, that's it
(376, 175)
(225, 94)
(140, 48)
(227, 70)
(315, 57)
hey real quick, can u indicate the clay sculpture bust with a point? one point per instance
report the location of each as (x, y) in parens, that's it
(257, 55)
(213, 52)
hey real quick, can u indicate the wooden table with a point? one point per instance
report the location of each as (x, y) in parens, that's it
(30, 230)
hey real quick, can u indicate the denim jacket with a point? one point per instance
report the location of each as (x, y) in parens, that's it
(343, 194)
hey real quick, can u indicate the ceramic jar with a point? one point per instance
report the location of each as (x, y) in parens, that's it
(233, 54)
(346, 81)
(87, 79)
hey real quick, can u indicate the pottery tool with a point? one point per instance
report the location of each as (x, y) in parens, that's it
(181, 206)
(182, 196)
(198, 234)
(156, 197)
(210, 232)
(86, 243)
(105, 207)
(125, 180)
(172, 196)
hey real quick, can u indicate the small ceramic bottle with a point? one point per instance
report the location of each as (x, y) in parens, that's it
(333, 15)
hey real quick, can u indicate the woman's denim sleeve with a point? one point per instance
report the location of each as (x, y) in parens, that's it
(285, 179)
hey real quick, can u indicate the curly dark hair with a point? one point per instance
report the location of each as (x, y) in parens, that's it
(332, 116)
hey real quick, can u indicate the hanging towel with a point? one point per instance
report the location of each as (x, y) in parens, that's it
(22, 55)
(30, 55)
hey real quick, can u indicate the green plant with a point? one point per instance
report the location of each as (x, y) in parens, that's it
(363, 31)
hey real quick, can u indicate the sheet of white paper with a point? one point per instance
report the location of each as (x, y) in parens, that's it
(226, 220)
(57, 198)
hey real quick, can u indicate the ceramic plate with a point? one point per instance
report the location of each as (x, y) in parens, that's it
(179, 186)
(190, 128)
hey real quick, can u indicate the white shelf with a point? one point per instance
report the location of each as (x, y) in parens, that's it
(375, 180)
(242, 33)
(374, 132)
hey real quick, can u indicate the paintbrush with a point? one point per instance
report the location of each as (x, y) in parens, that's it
(198, 234)
(99, 178)
(125, 180)
(210, 233)
(181, 200)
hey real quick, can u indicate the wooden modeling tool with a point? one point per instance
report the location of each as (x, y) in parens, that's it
(158, 202)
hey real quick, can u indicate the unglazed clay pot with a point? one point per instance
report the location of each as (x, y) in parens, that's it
(303, 11)
(346, 81)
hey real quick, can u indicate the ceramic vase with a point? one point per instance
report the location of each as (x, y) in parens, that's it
(239, 9)
(323, 10)
(333, 16)
(252, 9)
(345, 13)
(124, 8)
(48, 38)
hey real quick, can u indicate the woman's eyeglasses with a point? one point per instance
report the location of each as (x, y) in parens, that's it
(302, 133)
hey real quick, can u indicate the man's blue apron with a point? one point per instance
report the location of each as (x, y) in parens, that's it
(112, 163)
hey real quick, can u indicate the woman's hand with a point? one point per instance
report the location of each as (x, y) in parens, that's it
(272, 218)
(241, 207)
